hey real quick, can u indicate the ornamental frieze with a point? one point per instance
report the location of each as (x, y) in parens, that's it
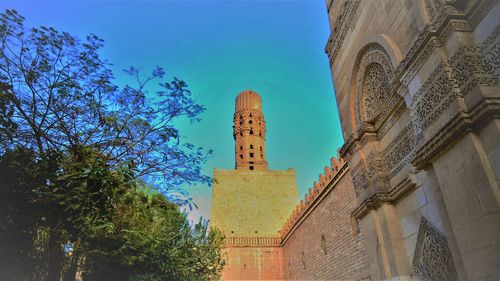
(432, 259)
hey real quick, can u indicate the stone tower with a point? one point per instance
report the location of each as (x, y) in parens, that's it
(249, 132)
(250, 204)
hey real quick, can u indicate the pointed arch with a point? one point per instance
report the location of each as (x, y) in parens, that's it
(373, 83)
(378, 49)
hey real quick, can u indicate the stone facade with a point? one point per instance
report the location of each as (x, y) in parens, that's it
(415, 194)
(251, 203)
(418, 93)
(255, 203)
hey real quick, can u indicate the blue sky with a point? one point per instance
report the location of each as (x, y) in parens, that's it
(221, 48)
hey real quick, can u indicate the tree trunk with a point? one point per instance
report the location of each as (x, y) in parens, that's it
(56, 256)
(70, 275)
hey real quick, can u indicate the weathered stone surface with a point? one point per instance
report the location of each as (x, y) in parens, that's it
(252, 203)
(418, 194)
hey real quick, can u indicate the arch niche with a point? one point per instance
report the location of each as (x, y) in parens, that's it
(372, 83)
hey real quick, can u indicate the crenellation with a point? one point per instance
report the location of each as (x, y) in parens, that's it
(328, 172)
(326, 180)
(317, 187)
(322, 180)
(418, 98)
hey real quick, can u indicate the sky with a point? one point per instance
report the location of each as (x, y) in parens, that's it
(221, 48)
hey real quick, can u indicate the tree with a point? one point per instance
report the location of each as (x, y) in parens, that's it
(150, 239)
(62, 97)
(91, 146)
(21, 176)
(113, 226)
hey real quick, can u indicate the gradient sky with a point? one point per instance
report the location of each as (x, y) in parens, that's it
(221, 48)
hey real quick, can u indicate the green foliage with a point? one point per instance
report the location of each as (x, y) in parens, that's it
(90, 171)
(57, 94)
(19, 175)
(152, 239)
(114, 227)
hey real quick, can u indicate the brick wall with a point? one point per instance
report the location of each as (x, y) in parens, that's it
(254, 263)
(322, 246)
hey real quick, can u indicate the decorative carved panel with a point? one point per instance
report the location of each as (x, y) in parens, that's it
(433, 260)
(433, 98)
(374, 95)
(470, 69)
(341, 25)
(360, 179)
(490, 48)
(370, 176)
(433, 7)
(376, 90)
(401, 149)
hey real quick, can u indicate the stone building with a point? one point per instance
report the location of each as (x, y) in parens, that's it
(418, 94)
(250, 203)
(415, 194)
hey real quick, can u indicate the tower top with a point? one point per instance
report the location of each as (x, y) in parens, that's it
(248, 99)
(249, 132)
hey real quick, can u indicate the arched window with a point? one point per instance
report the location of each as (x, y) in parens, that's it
(323, 244)
(373, 89)
(303, 258)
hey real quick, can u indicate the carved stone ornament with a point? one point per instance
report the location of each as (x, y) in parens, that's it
(375, 91)
(342, 24)
(433, 260)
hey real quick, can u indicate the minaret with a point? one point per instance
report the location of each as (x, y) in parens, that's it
(250, 204)
(249, 132)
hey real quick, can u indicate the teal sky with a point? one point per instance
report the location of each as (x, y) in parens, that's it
(221, 48)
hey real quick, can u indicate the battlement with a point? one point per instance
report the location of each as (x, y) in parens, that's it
(327, 179)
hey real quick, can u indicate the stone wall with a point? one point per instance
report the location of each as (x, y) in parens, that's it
(416, 192)
(419, 100)
(250, 207)
(254, 263)
(252, 203)
(321, 243)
